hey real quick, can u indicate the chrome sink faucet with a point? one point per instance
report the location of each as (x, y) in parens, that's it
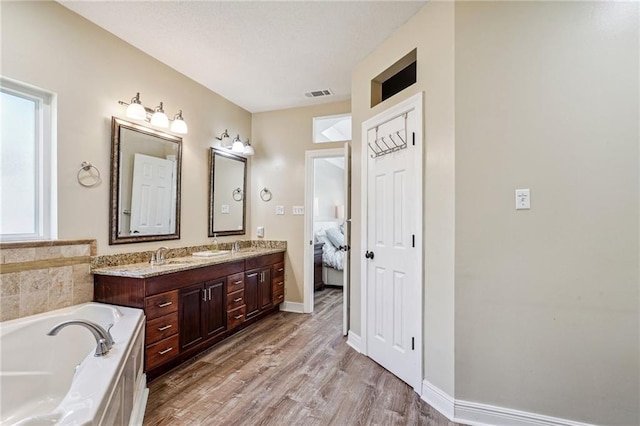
(104, 340)
(236, 246)
(158, 257)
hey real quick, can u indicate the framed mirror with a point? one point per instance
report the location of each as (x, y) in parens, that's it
(227, 189)
(145, 184)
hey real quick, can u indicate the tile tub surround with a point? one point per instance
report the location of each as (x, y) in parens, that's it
(185, 261)
(99, 262)
(41, 276)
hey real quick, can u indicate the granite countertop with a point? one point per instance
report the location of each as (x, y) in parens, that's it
(177, 264)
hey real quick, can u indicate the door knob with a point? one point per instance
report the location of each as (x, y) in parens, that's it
(369, 255)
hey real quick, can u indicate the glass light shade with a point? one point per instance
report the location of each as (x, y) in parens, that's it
(179, 126)
(160, 119)
(225, 142)
(136, 111)
(248, 150)
(238, 147)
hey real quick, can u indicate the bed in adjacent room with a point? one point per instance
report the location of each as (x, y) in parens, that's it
(332, 257)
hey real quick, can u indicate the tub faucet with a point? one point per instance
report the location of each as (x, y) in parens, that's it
(158, 257)
(103, 337)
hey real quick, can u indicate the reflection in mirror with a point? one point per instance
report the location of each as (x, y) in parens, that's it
(227, 189)
(145, 184)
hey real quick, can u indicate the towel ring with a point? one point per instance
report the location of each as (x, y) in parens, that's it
(265, 194)
(93, 179)
(237, 194)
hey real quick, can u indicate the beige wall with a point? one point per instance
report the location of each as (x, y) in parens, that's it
(538, 308)
(547, 299)
(282, 137)
(48, 46)
(431, 31)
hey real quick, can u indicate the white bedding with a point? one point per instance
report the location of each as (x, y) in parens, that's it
(331, 255)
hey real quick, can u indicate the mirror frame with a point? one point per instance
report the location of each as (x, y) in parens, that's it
(114, 217)
(212, 164)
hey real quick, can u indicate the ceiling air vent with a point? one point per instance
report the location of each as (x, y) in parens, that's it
(319, 93)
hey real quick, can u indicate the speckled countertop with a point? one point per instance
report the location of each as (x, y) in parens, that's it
(180, 263)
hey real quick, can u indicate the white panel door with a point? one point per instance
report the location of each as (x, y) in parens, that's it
(346, 286)
(151, 195)
(393, 257)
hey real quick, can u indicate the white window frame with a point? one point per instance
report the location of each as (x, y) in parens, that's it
(46, 159)
(328, 117)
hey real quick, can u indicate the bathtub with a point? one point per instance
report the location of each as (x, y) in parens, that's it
(57, 380)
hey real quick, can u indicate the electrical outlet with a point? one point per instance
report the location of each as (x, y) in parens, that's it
(260, 231)
(279, 209)
(224, 209)
(297, 210)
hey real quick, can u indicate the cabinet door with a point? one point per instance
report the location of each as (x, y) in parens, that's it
(251, 292)
(215, 308)
(265, 288)
(190, 308)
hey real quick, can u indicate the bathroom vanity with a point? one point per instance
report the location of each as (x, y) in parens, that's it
(191, 303)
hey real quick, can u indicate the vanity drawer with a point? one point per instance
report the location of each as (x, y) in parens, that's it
(278, 285)
(161, 304)
(236, 317)
(278, 297)
(235, 300)
(161, 328)
(235, 282)
(160, 352)
(278, 270)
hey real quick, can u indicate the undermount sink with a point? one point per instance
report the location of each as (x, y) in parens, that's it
(210, 253)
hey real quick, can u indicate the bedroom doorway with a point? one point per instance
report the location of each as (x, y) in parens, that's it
(327, 225)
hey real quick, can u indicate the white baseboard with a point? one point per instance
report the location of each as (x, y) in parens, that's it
(294, 307)
(438, 399)
(354, 341)
(477, 414)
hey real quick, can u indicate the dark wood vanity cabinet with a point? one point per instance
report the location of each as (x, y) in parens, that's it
(188, 311)
(203, 312)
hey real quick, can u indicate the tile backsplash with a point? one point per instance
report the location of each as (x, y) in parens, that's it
(45, 275)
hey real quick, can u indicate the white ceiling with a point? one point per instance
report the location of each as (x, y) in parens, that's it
(261, 55)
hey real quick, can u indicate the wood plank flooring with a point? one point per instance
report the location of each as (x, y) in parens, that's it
(288, 369)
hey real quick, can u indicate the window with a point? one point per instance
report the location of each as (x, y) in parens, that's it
(27, 163)
(332, 128)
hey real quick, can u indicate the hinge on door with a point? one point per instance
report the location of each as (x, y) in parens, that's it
(413, 136)
(413, 343)
(413, 240)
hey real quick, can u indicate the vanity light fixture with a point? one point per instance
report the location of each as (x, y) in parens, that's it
(159, 118)
(178, 125)
(238, 146)
(225, 140)
(248, 149)
(156, 117)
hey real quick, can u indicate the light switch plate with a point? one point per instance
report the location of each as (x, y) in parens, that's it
(224, 209)
(298, 210)
(523, 199)
(279, 209)
(260, 231)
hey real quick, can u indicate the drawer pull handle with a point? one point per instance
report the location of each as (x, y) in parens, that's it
(165, 304)
(281, 297)
(281, 283)
(237, 282)
(166, 351)
(237, 317)
(252, 275)
(238, 299)
(280, 269)
(166, 327)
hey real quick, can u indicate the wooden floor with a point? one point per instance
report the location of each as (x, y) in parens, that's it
(289, 369)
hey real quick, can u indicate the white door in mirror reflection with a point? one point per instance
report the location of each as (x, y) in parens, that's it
(151, 201)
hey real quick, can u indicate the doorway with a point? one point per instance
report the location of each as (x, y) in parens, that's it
(327, 225)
